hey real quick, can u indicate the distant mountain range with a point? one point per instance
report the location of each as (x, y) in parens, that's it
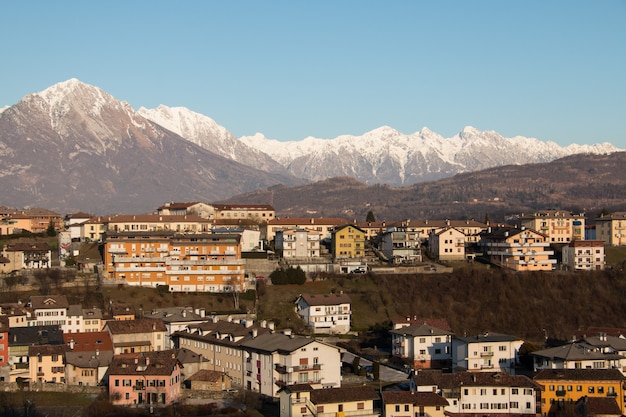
(75, 147)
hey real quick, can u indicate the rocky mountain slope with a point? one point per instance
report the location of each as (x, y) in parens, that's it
(75, 147)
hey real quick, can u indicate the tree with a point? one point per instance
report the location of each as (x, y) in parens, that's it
(370, 217)
(51, 231)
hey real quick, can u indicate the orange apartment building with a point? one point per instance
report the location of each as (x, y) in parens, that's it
(202, 262)
(517, 249)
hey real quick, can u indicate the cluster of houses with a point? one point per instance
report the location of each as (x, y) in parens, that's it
(205, 248)
(149, 359)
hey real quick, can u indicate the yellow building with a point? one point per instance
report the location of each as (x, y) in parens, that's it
(185, 262)
(302, 400)
(569, 385)
(412, 403)
(258, 213)
(348, 242)
(611, 228)
(559, 226)
(46, 363)
(517, 249)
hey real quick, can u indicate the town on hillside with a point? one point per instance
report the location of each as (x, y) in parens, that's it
(152, 359)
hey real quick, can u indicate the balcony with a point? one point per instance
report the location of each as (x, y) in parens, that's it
(486, 354)
(560, 393)
(117, 250)
(486, 366)
(283, 369)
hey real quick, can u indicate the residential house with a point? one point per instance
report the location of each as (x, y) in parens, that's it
(597, 407)
(87, 357)
(348, 242)
(325, 313)
(257, 213)
(298, 243)
(401, 246)
(36, 220)
(611, 228)
(4, 349)
(27, 255)
(147, 379)
(423, 228)
(584, 255)
(447, 244)
(73, 224)
(206, 211)
(413, 403)
(177, 319)
(21, 339)
(372, 229)
(303, 400)
(46, 363)
(16, 314)
(323, 225)
(559, 226)
(93, 230)
(48, 310)
(184, 262)
(206, 380)
(92, 320)
(579, 355)
(156, 223)
(139, 335)
(74, 321)
(517, 249)
(561, 386)
(426, 346)
(122, 311)
(273, 360)
(487, 352)
(474, 394)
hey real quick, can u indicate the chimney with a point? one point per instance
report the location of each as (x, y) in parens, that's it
(255, 332)
(248, 323)
(287, 332)
(264, 323)
(270, 325)
(147, 361)
(72, 344)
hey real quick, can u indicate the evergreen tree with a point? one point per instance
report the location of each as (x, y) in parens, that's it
(370, 217)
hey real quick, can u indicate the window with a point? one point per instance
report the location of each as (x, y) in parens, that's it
(514, 391)
(591, 390)
(397, 408)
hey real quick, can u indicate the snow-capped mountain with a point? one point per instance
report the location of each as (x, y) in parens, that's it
(75, 147)
(387, 156)
(205, 132)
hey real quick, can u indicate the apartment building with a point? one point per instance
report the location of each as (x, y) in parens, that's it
(447, 244)
(486, 352)
(559, 226)
(203, 262)
(517, 249)
(298, 243)
(323, 225)
(427, 346)
(584, 255)
(611, 228)
(348, 242)
(325, 313)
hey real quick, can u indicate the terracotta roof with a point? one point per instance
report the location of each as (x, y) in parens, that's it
(579, 375)
(416, 398)
(326, 299)
(88, 341)
(307, 221)
(47, 350)
(27, 247)
(261, 207)
(146, 363)
(207, 376)
(144, 325)
(157, 218)
(473, 379)
(593, 406)
(48, 301)
(343, 394)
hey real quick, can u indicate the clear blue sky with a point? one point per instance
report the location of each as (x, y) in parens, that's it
(554, 70)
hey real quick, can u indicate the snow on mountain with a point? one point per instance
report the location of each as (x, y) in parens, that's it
(206, 133)
(385, 155)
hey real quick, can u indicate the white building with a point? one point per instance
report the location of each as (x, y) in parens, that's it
(298, 243)
(48, 310)
(325, 313)
(401, 245)
(488, 352)
(447, 244)
(472, 394)
(273, 360)
(584, 255)
(427, 346)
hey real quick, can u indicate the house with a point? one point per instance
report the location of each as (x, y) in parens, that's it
(35, 220)
(348, 242)
(46, 363)
(611, 228)
(48, 310)
(517, 249)
(412, 403)
(93, 230)
(562, 386)
(474, 394)
(447, 244)
(144, 379)
(303, 400)
(323, 225)
(559, 226)
(27, 255)
(298, 243)
(92, 320)
(426, 346)
(400, 245)
(487, 352)
(578, 355)
(122, 311)
(4, 349)
(139, 335)
(584, 255)
(87, 357)
(372, 229)
(597, 407)
(21, 339)
(325, 313)
(177, 319)
(206, 211)
(423, 228)
(206, 380)
(273, 360)
(155, 223)
(258, 213)
(73, 224)
(200, 262)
